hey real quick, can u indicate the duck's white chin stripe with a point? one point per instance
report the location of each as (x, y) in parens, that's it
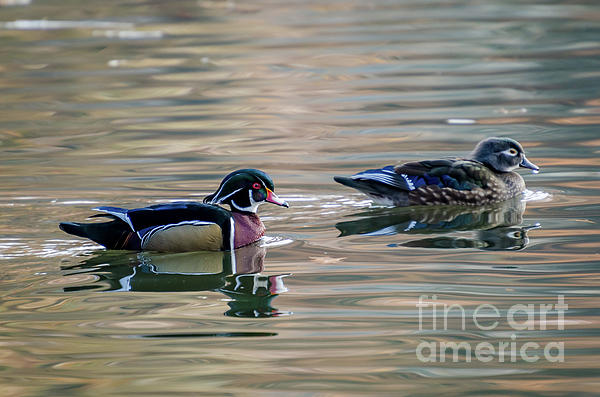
(253, 207)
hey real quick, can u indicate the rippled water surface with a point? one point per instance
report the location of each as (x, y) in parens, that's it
(135, 103)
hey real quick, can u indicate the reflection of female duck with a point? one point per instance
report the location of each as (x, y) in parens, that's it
(503, 238)
(236, 274)
(497, 225)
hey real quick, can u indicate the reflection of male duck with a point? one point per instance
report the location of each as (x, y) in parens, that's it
(234, 273)
(497, 225)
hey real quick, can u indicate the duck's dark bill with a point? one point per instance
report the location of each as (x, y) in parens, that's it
(528, 164)
(272, 198)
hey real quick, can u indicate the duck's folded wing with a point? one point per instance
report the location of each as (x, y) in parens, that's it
(180, 226)
(452, 173)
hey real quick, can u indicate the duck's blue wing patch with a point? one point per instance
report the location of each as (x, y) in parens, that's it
(412, 176)
(453, 173)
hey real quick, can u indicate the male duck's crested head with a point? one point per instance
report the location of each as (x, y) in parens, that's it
(244, 190)
(502, 155)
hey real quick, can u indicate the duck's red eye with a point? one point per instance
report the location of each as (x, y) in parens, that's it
(256, 185)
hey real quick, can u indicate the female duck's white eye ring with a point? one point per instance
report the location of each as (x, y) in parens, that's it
(256, 185)
(512, 152)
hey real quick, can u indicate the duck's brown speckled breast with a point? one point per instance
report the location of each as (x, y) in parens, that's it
(248, 229)
(513, 183)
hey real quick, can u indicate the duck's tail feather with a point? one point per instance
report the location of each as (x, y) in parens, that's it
(355, 183)
(379, 192)
(115, 234)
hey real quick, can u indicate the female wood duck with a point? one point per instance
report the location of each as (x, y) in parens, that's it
(188, 226)
(485, 176)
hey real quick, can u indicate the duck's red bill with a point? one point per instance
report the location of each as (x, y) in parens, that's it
(272, 198)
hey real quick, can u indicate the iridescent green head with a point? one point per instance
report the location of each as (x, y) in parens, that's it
(245, 190)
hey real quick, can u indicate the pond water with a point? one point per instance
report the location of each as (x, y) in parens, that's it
(137, 103)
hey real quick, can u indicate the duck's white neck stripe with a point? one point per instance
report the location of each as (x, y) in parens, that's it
(251, 208)
(232, 245)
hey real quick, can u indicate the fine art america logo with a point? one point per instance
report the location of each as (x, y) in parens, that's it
(488, 318)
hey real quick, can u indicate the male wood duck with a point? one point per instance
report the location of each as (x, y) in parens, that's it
(188, 226)
(485, 176)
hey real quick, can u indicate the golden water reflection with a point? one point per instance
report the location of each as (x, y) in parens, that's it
(140, 103)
